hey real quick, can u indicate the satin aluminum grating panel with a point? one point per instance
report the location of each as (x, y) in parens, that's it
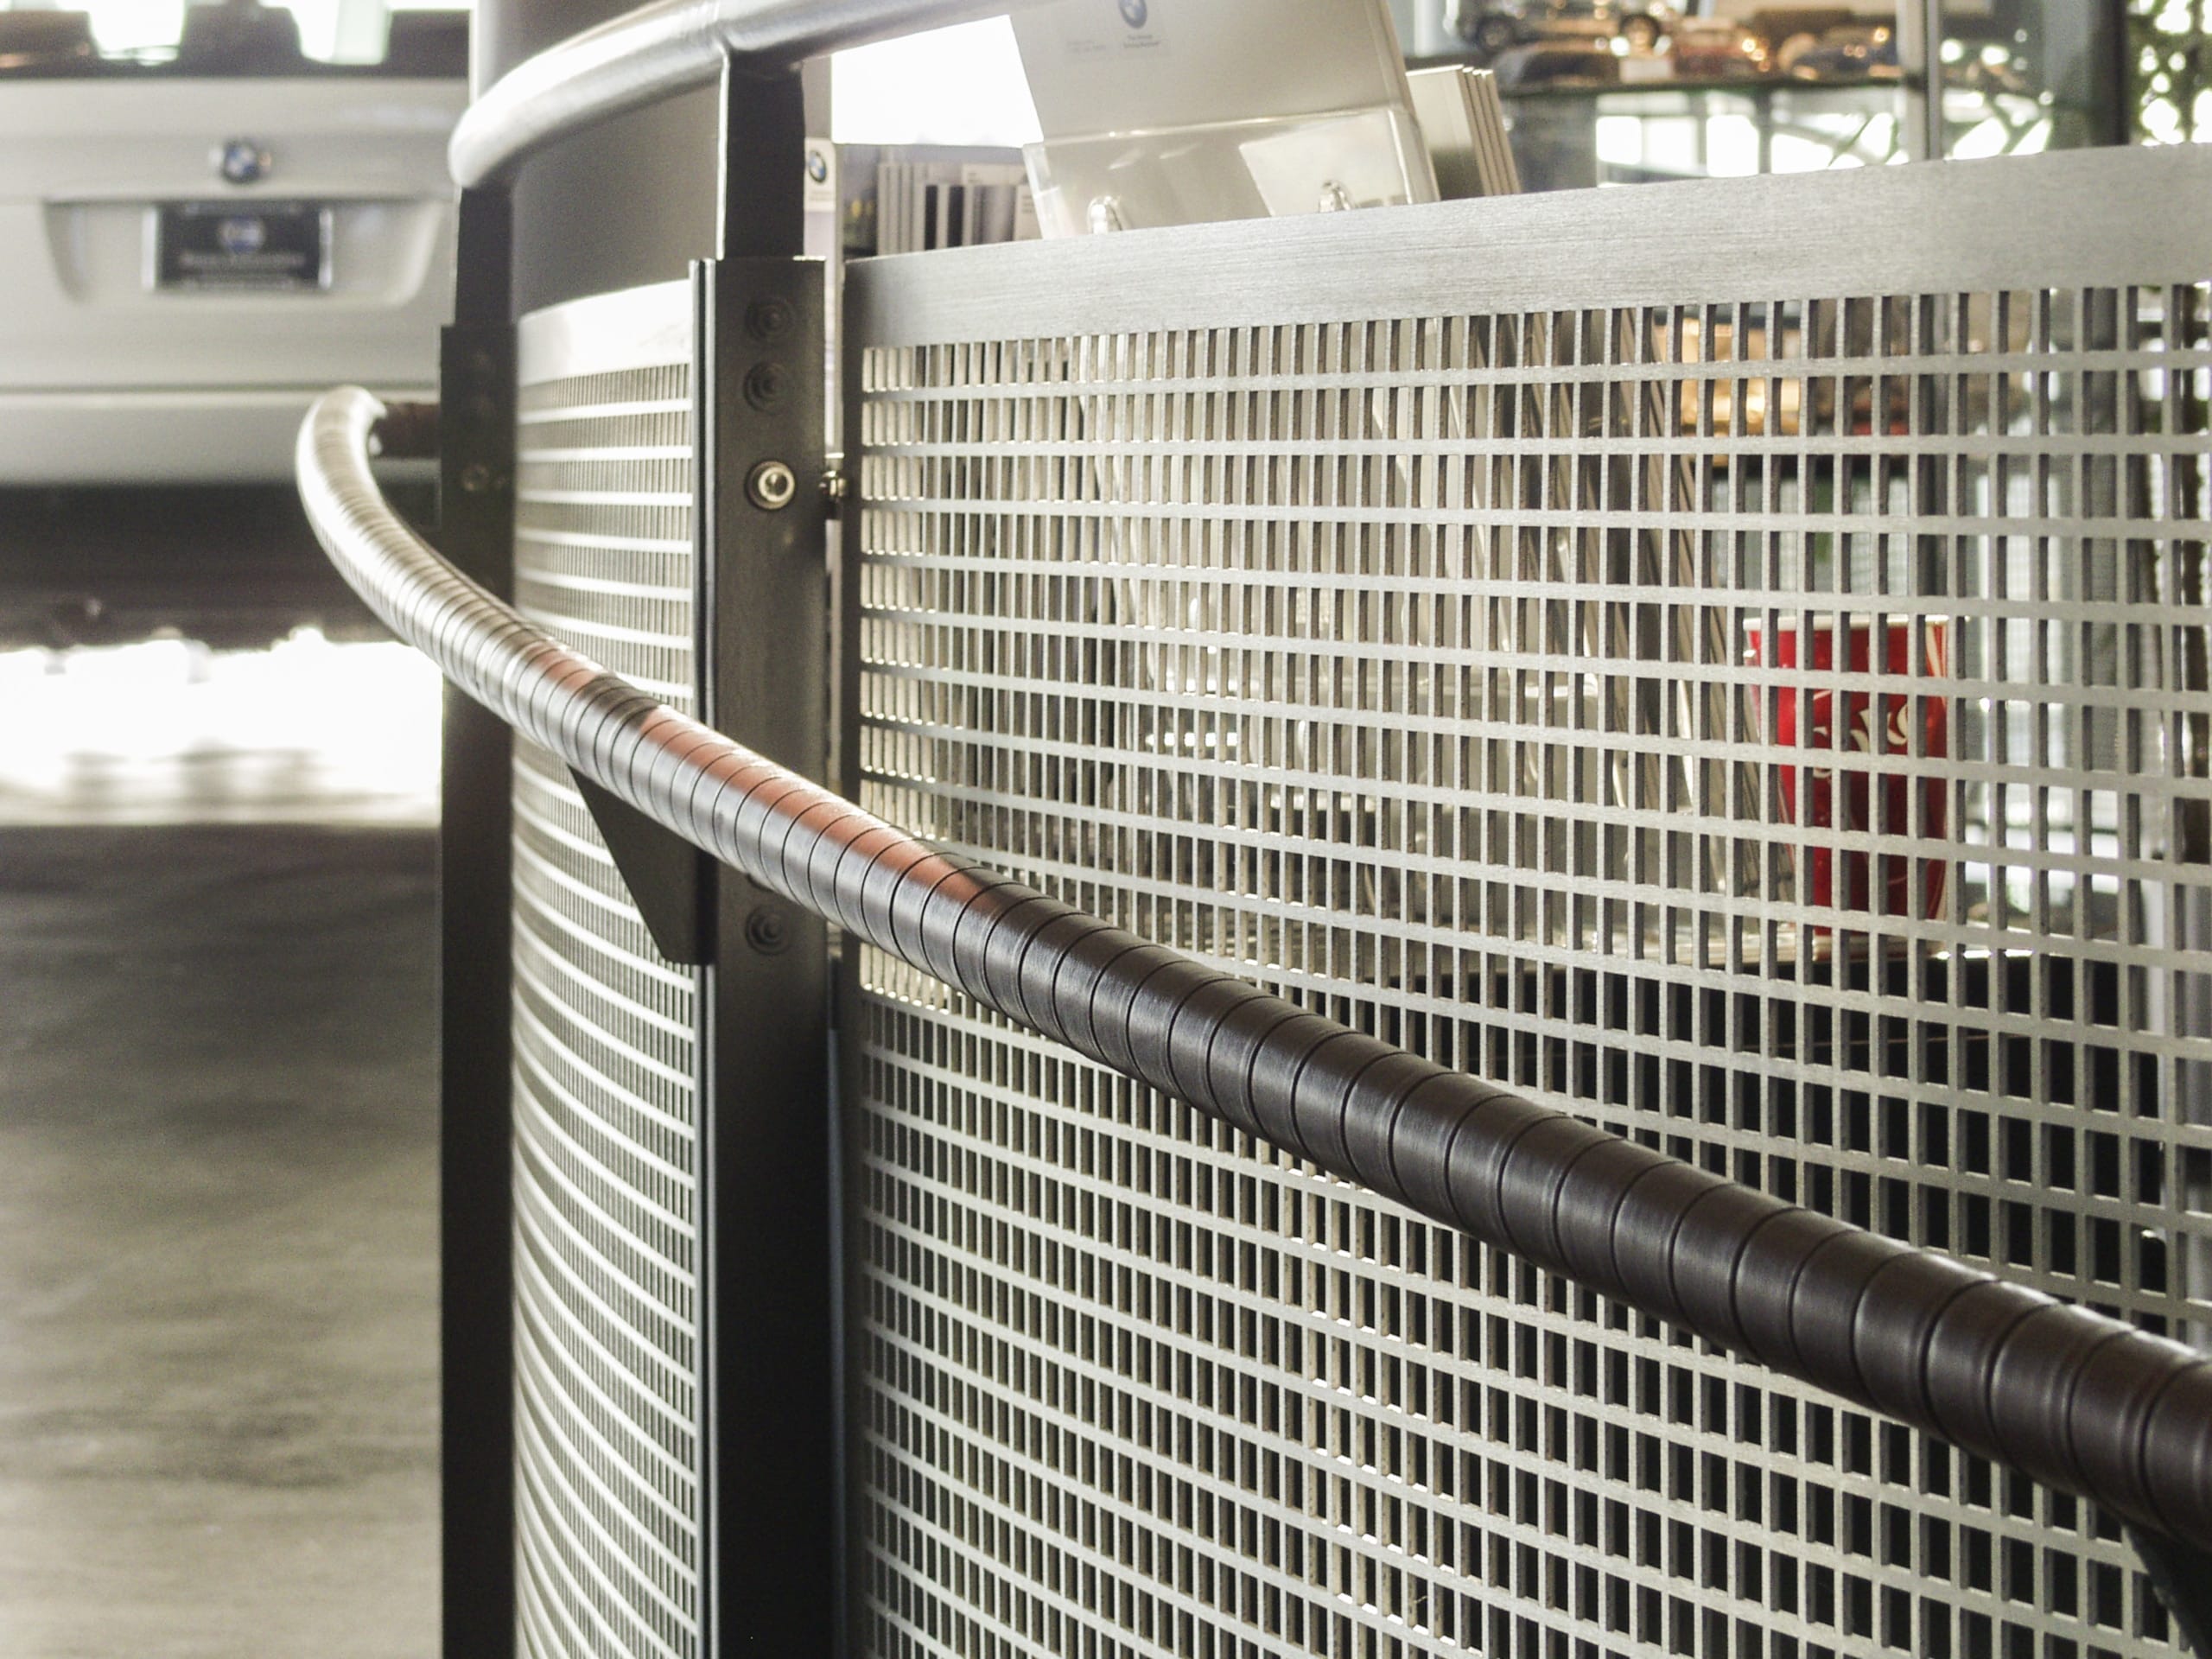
(1451, 667)
(607, 1408)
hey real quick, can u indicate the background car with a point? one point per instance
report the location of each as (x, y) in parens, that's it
(1781, 25)
(202, 227)
(1717, 48)
(1857, 52)
(1556, 63)
(1495, 26)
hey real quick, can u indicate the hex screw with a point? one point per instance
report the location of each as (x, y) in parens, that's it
(765, 385)
(771, 486)
(766, 931)
(476, 478)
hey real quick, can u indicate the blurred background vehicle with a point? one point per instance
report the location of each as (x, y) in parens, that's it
(207, 212)
(1556, 63)
(1854, 52)
(1717, 48)
(1877, 82)
(1495, 26)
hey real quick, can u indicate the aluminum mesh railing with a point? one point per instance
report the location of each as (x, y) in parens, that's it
(1436, 630)
(2071, 1397)
(1398, 633)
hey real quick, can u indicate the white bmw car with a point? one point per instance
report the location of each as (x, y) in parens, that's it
(208, 213)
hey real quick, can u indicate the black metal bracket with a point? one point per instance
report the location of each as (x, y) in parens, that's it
(763, 609)
(2182, 1578)
(761, 224)
(669, 879)
(769, 1273)
(761, 207)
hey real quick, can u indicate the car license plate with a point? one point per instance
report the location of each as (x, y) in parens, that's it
(242, 244)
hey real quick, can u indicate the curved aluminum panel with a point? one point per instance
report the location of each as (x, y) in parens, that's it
(610, 1423)
(2072, 1398)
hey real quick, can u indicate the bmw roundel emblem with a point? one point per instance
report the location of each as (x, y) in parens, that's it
(1134, 12)
(242, 161)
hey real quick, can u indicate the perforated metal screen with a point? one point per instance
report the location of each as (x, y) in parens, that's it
(607, 1408)
(1727, 660)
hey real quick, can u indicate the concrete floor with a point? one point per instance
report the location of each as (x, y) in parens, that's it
(218, 1159)
(218, 1360)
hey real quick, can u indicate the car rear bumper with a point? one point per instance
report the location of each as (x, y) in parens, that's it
(155, 437)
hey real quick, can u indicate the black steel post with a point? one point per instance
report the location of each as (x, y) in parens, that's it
(475, 1262)
(771, 1523)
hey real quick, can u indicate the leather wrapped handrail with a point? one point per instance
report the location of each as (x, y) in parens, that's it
(2073, 1398)
(657, 51)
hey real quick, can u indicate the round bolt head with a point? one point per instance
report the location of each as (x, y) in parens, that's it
(771, 486)
(767, 319)
(766, 931)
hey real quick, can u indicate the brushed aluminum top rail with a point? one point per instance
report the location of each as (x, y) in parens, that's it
(659, 50)
(2069, 1397)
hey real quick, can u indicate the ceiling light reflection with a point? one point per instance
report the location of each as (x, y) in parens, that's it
(168, 731)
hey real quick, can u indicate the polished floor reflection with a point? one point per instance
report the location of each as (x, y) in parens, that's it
(169, 731)
(218, 1244)
(217, 1120)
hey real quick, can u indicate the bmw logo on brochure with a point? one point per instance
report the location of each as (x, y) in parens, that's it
(1134, 12)
(241, 161)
